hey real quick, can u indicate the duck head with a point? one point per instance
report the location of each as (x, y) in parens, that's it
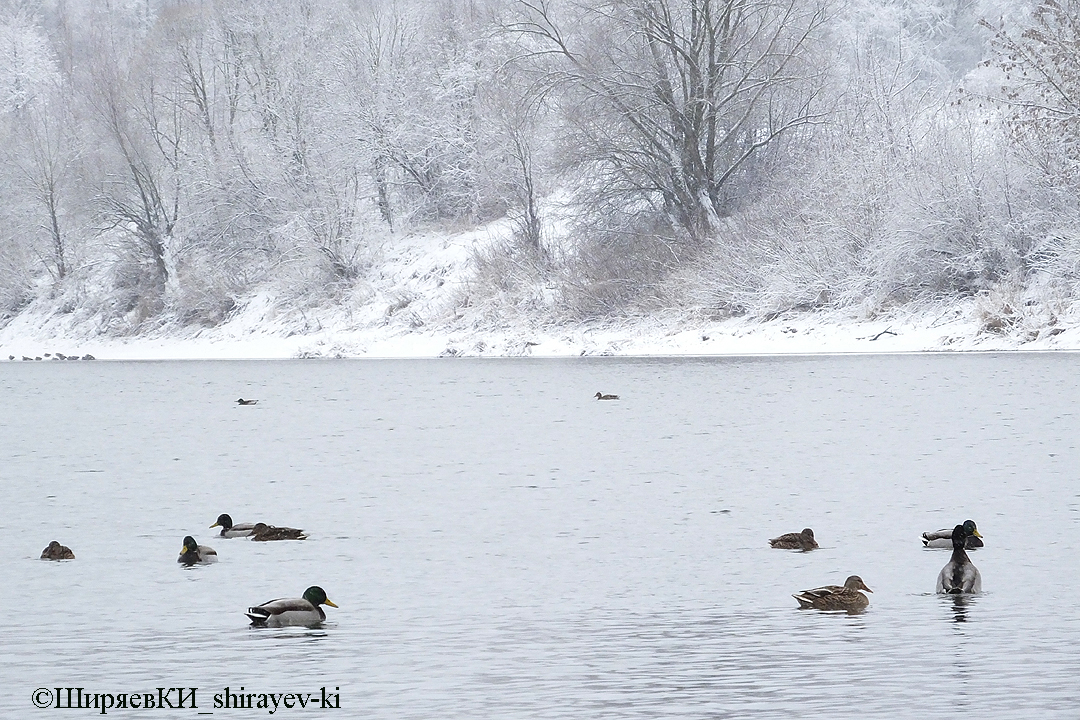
(317, 596)
(189, 554)
(223, 521)
(855, 583)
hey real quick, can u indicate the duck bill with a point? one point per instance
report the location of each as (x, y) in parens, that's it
(330, 603)
(867, 589)
(216, 525)
(976, 533)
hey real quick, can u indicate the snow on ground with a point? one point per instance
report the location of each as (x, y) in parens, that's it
(410, 306)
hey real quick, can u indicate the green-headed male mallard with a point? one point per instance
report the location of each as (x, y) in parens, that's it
(263, 532)
(959, 575)
(299, 611)
(602, 396)
(795, 541)
(56, 551)
(229, 530)
(834, 597)
(193, 553)
(943, 538)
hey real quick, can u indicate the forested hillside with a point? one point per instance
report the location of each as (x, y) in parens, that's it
(165, 162)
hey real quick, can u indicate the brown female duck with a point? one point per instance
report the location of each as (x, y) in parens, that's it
(834, 597)
(795, 541)
(263, 532)
(56, 551)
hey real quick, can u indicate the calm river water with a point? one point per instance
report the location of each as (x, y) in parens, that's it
(503, 546)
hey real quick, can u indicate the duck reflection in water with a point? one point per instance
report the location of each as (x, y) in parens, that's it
(960, 607)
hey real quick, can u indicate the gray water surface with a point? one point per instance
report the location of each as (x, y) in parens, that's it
(501, 545)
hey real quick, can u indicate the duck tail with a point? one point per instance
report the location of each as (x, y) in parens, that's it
(258, 616)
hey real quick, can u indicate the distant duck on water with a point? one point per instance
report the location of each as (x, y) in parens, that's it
(229, 530)
(602, 396)
(56, 551)
(263, 532)
(795, 541)
(195, 554)
(943, 538)
(242, 401)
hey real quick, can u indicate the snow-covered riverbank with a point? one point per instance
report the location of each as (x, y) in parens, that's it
(953, 330)
(417, 302)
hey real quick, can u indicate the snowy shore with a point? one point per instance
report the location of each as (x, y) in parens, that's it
(415, 303)
(810, 333)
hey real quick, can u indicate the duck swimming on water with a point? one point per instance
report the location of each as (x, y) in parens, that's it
(943, 538)
(299, 611)
(959, 574)
(229, 530)
(56, 551)
(195, 554)
(835, 597)
(263, 532)
(795, 541)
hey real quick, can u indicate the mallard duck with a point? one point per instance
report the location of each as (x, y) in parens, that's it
(298, 611)
(795, 541)
(943, 538)
(602, 396)
(263, 532)
(959, 575)
(229, 530)
(242, 401)
(194, 553)
(834, 597)
(56, 551)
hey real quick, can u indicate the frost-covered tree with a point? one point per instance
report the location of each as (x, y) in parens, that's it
(1037, 58)
(143, 131)
(1041, 87)
(42, 152)
(671, 103)
(419, 79)
(46, 168)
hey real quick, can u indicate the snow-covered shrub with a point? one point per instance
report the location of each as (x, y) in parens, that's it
(509, 282)
(205, 295)
(618, 271)
(1020, 311)
(16, 289)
